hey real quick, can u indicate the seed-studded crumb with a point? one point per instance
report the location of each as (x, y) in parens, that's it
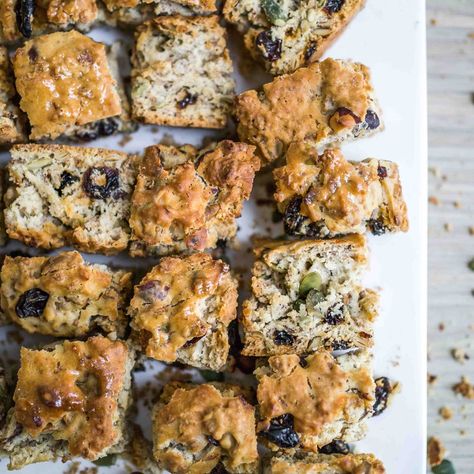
(326, 195)
(291, 391)
(306, 295)
(182, 72)
(188, 200)
(60, 195)
(433, 200)
(432, 379)
(464, 388)
(436, 451)
(459, 355)
(287, 35)
(181, 311)
(446, 413)
(328, 102)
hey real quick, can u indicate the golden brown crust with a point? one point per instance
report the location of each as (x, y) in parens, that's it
(180, 302)
(208, 424)
(64, 80)
(300, 106)
(195, 202)
(72, 391)
(81, 297)
(340, 196)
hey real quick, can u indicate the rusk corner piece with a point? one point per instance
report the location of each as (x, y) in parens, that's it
(64, 195)
(306, 403)
(205, 428)
(326, 195)
(65, 82)
(324, 464)
(307, 295)
(187, 200)
(70, 401)
(181, 311)
(64, 296)
(182, 73)
(325, 103)
(284, 36)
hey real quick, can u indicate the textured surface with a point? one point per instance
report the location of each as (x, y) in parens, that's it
(451, 141)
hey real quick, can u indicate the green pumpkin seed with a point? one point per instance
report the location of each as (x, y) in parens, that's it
(312, 281)
(314, 298)
(273, 12)
(106, 461)
(446, 467)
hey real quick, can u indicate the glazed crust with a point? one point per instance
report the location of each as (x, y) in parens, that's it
(185, 200)
(210, 423)
(182, 72)
(81, 297)
(327, 397)
(325, 464)
(336, 312)
(48, 206)
(324, 103)
(182, 308)
(72, 392)
(338, 196)
(64, 81)
(304, 31)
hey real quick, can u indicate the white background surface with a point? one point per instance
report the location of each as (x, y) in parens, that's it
(389, 37)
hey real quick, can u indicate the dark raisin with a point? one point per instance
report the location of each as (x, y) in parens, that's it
(381, 172)
(31, 303)
(101, 182)
(24, 16)
(66, 180)
(372, 120)
(292, 219)
(282, 338)
(107, 127)
(33, 54)
(376, 226)
(333, 6)
(336, 447)
(310, 50)
(383, 388)
(303, 362)
(335, 314)
(212, 440)
(272, 48)
(281, 431)
(219, 469)
(189, 99)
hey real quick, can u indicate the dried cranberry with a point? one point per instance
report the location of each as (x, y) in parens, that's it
(376, 226)
(381, 172)
(31, 303)
(282, 338)
(66, 180)
(335, 314)
(336, 447)
(292, 219)
(333, 6)
(212, 440)
(101, 191)
(310, 50)
(372, 120)
(189, 99)
(383, 388)
(272, 48)
(24, 10)
(282, 432)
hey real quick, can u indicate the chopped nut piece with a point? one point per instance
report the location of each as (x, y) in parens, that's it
(436, 451)
(464, 388)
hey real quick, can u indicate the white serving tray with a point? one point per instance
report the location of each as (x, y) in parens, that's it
(389, 37)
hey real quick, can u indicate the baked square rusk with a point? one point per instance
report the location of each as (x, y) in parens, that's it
(66, 85)
(70, 401)
(64, 296)
(182, 72)
(284, 36)
(325, 103)
(309, 463)
(306, 403)
(306, 295)
(181, 311)
(326, 195)
(64, 195)
(11, 119)
(187, 200)
(197, 428)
